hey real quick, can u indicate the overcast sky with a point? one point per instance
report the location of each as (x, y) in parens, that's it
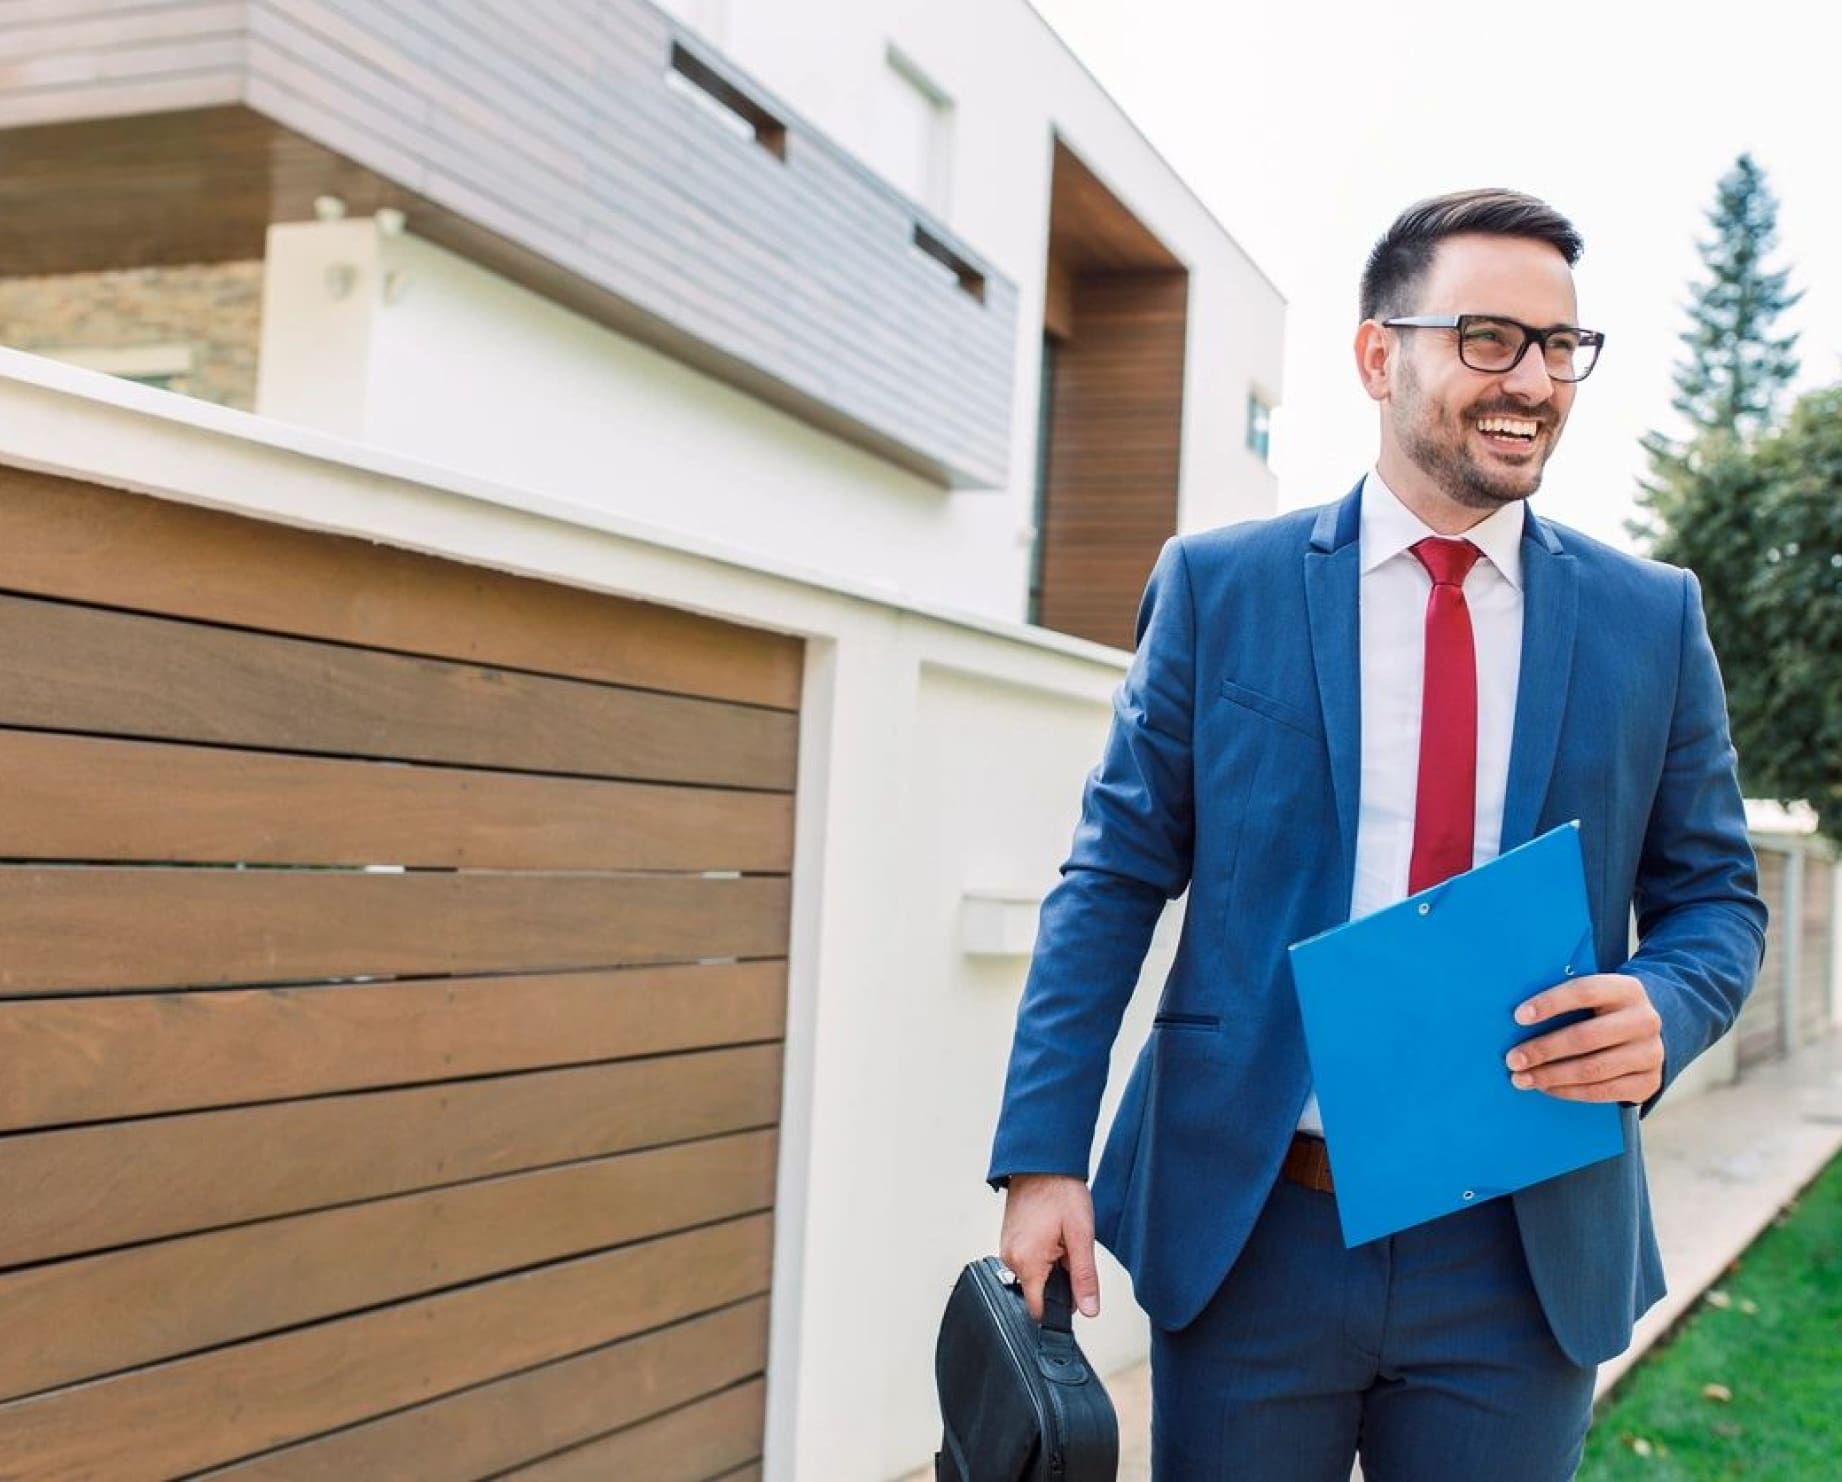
(1305, 129)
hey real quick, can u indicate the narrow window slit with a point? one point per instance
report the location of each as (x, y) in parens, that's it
(970, 279)
(698, 81)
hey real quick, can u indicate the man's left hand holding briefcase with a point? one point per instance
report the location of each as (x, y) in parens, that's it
(1018, 1400)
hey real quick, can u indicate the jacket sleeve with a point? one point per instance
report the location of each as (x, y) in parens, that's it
(1131, 853)
(1700, 921)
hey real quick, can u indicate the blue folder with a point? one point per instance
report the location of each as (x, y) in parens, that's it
(1408, 1014)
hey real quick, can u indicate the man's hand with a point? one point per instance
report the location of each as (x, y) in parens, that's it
(1617, 1055)
(1050, 1217)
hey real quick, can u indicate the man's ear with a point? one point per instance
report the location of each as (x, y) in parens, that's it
(1375, 351)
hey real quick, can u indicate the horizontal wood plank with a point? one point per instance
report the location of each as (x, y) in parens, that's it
(71, 30)
(687, 1445)
(501, 1424)
(486, 1177)
(106, 928)
(72, 668)
(64, 538)
(67, 1321)
(215, 1407)
(94, 1059)
(20, 14)
(91, 1188)
(88, 797)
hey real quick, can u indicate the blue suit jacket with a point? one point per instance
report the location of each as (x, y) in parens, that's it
(1232, 770)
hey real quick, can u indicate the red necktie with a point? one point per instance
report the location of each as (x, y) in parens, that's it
(1445, 812)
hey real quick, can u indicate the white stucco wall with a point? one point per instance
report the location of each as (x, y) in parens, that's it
(322, 297)
(475, 373)
(464, 369)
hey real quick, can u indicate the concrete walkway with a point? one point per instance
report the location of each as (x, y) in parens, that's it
(1721, 1165)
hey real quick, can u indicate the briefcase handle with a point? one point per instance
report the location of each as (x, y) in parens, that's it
(1057, 1357)
(1058, 1301)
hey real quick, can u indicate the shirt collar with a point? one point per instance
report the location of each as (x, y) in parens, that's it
(1390, 527)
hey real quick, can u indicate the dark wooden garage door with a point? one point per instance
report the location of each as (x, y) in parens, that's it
(392, 980)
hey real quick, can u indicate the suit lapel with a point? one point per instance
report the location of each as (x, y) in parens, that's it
(1332, 569)
(1550, 613)
(1550, 610)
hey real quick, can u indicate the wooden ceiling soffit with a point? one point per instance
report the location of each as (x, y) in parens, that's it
(1092, 231)
(196, 186)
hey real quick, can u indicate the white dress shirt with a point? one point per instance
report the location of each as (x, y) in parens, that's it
(1393, 591)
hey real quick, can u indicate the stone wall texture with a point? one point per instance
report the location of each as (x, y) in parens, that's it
(214, 309)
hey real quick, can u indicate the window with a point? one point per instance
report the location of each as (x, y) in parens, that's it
(164, 366)
(952, 267)
(1259, 425)
(912, 146)
(700, 83)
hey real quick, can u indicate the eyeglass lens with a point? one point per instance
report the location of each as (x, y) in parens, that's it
(1495, 344)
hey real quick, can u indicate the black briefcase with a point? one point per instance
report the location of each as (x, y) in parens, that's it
(1019, 1402)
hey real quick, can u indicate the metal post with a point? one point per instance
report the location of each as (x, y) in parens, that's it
(1793, 939)
(1835, 941)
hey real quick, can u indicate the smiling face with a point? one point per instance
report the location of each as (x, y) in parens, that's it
(1470, 440)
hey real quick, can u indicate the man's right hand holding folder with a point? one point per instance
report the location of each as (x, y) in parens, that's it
(1447, 985)
(1617, 1055)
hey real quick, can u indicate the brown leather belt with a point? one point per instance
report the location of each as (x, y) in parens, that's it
(1308, 1163)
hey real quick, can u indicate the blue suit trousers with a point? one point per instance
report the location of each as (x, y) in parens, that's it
(1427, 1352)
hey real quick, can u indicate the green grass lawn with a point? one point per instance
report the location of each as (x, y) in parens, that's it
(1771, 1334)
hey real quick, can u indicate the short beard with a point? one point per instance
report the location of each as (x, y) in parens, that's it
(1458, 476)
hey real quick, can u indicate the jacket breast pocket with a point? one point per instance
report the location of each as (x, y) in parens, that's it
(1298, 719)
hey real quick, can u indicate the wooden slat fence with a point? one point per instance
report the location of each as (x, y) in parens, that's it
(392, 987)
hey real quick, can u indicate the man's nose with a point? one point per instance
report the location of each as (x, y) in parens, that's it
(1529, 380)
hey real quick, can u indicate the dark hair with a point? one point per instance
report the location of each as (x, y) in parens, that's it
(1400, 259)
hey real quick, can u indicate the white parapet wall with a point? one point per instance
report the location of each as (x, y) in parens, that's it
(941, 760)
(392, 341)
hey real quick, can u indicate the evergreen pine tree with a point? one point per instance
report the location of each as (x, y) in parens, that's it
(1728, 388)
(1736, 368)
(1752, 503)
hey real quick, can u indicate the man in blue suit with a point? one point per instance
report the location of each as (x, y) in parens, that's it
(1328, 711)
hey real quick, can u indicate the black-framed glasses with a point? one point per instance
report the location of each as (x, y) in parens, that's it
(1496, 345)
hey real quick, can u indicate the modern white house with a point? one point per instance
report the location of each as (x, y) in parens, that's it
(886, 290)
(532, 776)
